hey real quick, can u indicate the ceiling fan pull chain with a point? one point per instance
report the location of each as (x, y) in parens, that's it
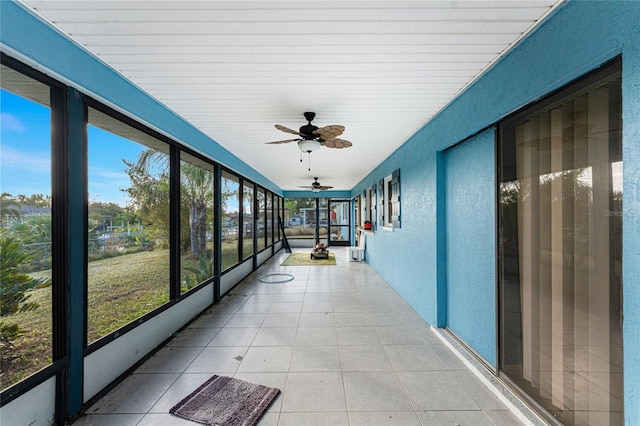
(309, 161)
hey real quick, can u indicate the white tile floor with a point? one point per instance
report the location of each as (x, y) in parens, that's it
(339, 343)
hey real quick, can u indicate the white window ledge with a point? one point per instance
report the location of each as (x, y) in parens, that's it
(366, 231)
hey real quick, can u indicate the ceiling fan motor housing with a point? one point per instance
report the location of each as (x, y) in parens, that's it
(308, 129)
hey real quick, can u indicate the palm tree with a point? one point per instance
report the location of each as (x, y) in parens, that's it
(149, 188)
(196, 189)
(196, 185)
(9, 207)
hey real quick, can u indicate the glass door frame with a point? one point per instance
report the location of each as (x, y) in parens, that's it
(335, 216)
(516, 382)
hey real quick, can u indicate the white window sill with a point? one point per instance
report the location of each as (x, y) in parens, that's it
(387, 228)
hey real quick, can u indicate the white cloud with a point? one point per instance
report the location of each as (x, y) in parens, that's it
(106, 185)
(9, 121)
(11, 158)
(96, 172)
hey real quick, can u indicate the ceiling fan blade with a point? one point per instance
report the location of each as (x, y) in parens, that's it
(341, 143)
(288, 130)
(330, 143)
(307, 187)
(285, 141)
(329, 132)
(324, 188)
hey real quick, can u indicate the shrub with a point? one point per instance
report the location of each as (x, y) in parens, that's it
(14, 286)
(204, 272)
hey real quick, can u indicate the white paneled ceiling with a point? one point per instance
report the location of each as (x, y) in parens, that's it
(235, 68)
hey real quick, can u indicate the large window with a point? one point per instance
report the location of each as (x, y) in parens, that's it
(369, 206)
(247, 219)
(386, 208)
(301, 222)
(322, 229)
(128, 241)
(196, 221)
(280, 217)
(389, 201)
(230, 219)
(140, 230)
(261, 219)
(560, 232)
(25, 227)
(269, 219)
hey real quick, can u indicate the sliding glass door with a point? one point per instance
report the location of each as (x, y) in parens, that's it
(560, 248)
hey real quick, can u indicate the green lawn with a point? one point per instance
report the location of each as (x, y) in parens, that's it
(120, 290)
(124, 288)
(32, 350)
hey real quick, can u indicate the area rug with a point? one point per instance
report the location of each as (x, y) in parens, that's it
(225, 401)
(304, 259)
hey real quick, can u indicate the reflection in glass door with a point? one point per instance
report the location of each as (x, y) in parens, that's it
(560, 253)
(339, 222)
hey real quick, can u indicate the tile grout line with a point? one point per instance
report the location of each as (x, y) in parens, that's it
(522, 412)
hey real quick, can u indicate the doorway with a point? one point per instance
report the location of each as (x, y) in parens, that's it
(560, 251)
(339, 222)
(311, 220)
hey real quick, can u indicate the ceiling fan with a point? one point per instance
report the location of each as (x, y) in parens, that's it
(316, 187)
(311, 137)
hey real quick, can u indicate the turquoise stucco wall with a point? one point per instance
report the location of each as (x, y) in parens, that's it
(631, 221)
(470, 205)
(577, 38)
(406, 257)
(25, 37)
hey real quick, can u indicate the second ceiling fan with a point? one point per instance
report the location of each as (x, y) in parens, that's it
(316, 187)
(311, 137)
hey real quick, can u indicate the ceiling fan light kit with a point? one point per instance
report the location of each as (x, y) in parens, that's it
(309, 145)
(312, 138)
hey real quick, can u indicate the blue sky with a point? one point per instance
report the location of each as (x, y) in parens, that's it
(106, 168)
(25, 159)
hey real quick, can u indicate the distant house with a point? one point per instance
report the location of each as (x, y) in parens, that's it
(27, 210)
(295, 220)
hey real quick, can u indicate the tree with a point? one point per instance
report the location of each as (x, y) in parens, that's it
(150, 192)
(9, 208)
(196, 185)
(289, 204)
(38, 200)
(295, 204)
(99, 210)
(32, 229)
(227, 192)
(149, 189)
